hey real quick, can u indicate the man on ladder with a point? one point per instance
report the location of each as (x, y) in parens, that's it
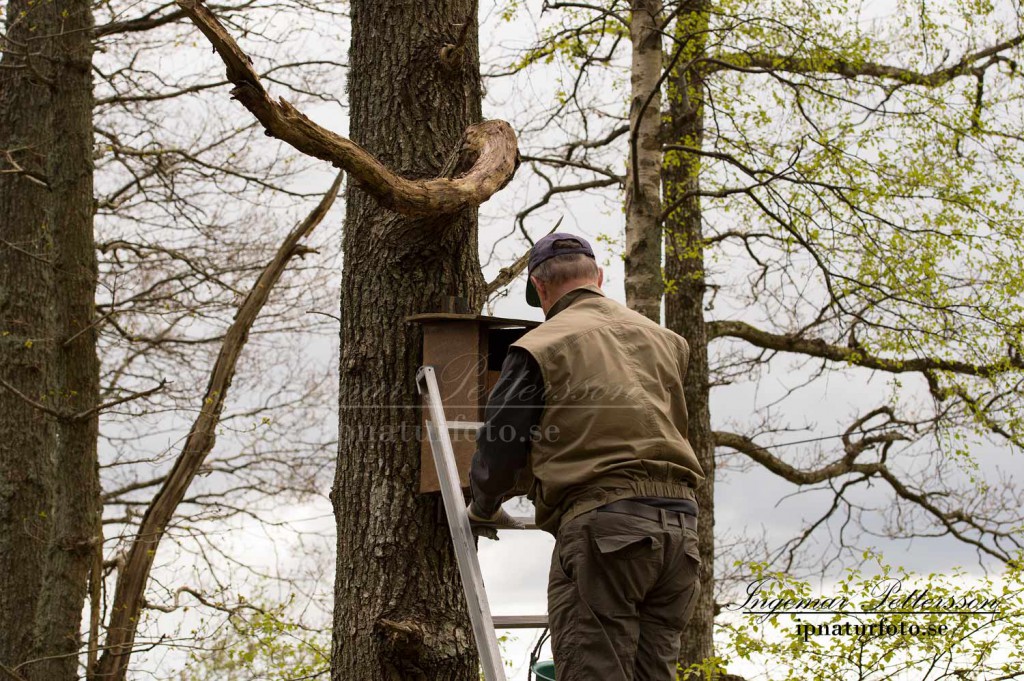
(593, 400)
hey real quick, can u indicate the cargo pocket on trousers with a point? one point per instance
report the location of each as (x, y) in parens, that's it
(691, 546)
(559, 566)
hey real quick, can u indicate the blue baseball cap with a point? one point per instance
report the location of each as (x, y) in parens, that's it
(545, 249)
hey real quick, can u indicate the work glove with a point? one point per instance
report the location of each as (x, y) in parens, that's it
(488, 526)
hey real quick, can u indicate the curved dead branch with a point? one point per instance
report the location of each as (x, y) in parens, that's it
(487, 159)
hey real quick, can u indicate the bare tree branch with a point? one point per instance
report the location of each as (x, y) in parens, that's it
(132, 578)
(957, 522)
(121, 400)
(198, 595)
(154, 19)
(33, 403)
(816, 347)
(11, 674)
(507, 274)
(968, 65)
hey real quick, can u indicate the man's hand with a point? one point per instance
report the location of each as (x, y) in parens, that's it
(488, 526)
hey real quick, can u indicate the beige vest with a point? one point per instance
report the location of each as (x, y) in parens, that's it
(615, 422)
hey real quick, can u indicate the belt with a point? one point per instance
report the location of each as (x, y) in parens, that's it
(651, 513)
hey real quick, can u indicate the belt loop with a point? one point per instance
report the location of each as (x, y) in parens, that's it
(664, 518)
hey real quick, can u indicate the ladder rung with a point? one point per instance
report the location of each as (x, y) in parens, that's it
(520, 621)
(461, 426)
(526, 521)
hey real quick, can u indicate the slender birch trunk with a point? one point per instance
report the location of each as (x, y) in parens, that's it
(643, 177)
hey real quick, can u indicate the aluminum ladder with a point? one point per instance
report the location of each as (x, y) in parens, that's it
(438, 432)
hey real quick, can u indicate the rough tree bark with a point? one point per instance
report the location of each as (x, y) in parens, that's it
(399, 608)
(643, 168)
(28, 321)
(50, 57)
(684, 298)
(77, 506)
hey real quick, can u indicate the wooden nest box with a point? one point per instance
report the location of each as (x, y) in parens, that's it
(466, 351)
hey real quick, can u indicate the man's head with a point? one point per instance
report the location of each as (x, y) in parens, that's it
(559, 263)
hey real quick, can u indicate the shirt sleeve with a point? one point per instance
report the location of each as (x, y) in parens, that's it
(513, 411)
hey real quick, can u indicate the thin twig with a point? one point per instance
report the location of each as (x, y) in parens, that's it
(13, 675)
(507, 274)
(121, 400)
(25, 398)
(14, 247)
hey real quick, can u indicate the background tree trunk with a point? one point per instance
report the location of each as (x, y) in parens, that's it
(77, 505)
(643, 176)
(48, 470)
(684, 299)
(28, 320)
(399, 608)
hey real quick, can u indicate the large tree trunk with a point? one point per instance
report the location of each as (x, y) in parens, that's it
(28, 321)
(77, 507)
(399, 608)
(684, 300)
(49, 266)
(643, 176)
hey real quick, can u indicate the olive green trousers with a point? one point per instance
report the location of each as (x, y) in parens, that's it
(620, 590)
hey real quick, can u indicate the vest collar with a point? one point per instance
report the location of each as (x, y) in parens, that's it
(585, 291)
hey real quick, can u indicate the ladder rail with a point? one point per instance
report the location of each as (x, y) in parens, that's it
(458, 524)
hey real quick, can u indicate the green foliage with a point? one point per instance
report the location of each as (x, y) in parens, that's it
(577, 36)
(860, 173)
(510, 9)
(857, 170)
(262, 643)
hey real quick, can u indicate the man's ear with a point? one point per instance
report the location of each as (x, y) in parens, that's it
(600, 277)
(539, 285)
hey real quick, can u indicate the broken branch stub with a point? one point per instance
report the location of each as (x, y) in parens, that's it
(488, 155)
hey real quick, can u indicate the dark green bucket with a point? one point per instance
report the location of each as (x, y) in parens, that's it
(545, 671)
